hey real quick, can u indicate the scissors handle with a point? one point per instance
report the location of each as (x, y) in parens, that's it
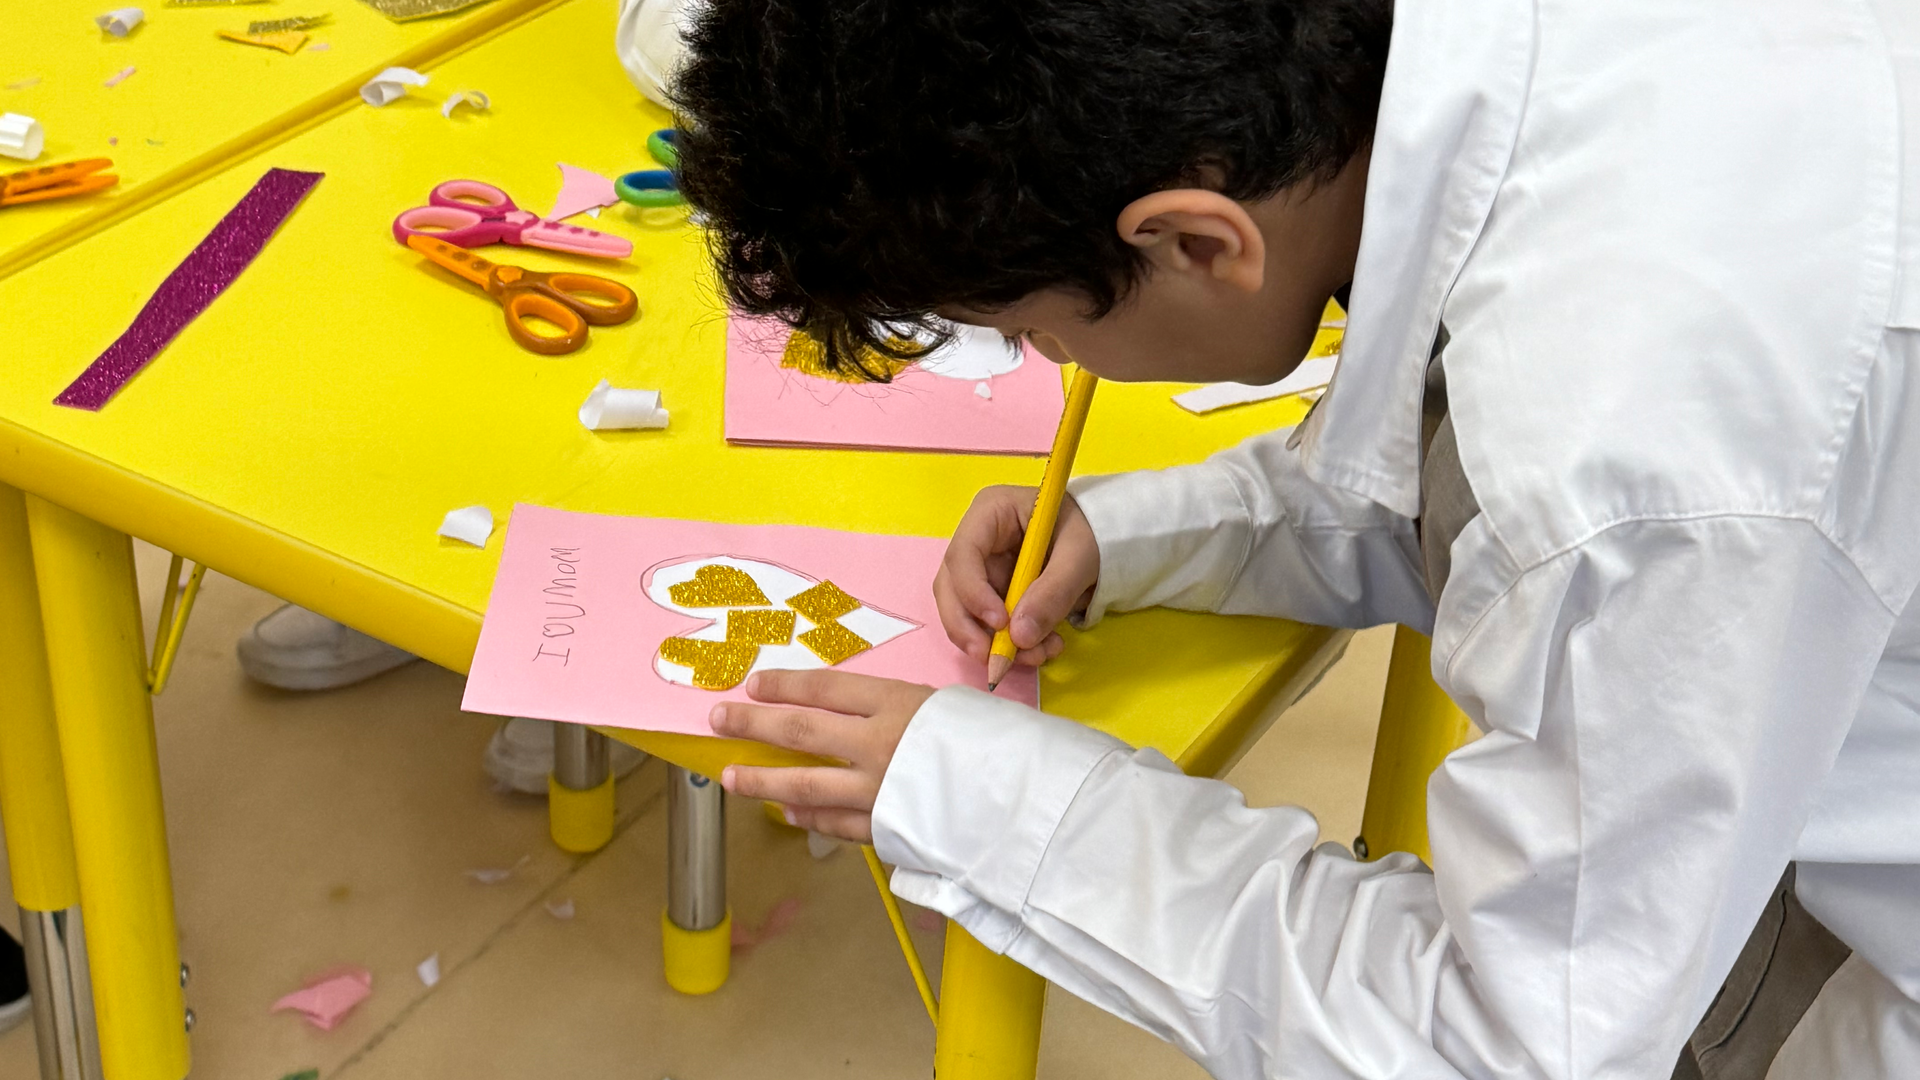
(522, 304)
(471, 195)
(600, 301)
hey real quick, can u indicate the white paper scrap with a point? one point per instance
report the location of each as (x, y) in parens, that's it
(390, 86)
(21, 137)
(120, 21)
(494, 875)
(429, 969)
(1311, 375)
(610, 408)
(472, 99)
(560, 909)
(469, 525)
(983, 391)
(820, 845)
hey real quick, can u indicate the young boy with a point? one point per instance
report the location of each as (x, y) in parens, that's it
(1628, 417)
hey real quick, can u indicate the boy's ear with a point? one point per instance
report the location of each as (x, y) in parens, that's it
(1187, 229)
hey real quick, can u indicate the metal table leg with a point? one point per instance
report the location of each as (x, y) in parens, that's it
(580, 791)
(990, 1012)
(697, 927)
(33, 806)
(96, 659)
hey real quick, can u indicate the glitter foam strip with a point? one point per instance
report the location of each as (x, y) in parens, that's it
(192, 286)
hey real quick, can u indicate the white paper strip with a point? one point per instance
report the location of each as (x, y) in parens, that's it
(983, 391)
(1311, 375)
(472, 99)
(610, 408)
(21, 137)
(121, 21)
(390, 85)
(469, 525)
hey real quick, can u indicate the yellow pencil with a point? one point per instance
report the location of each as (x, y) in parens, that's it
(1046, 515)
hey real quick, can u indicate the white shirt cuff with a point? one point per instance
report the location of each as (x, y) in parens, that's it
(974, 793)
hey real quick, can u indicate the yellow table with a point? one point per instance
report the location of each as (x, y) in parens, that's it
(307, 433)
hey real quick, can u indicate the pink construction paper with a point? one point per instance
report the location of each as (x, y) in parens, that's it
(581, 190)
(328, 999)
(571, 634)
(769, 404)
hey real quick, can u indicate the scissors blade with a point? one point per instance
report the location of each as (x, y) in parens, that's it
(55, 181)
(455, 259)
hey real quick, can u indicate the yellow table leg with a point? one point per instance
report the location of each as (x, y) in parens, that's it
(990, 1009)
(97, 661)
(33, 808)
(1419, 726)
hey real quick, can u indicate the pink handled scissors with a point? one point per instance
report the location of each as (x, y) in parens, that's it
(470, 214)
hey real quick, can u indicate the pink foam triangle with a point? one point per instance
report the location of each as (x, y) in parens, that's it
(581, 190)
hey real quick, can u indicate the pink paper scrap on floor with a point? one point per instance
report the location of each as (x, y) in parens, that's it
(192, 286)
(327, 999)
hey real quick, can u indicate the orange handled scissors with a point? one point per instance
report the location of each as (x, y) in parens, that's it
(55, 181)
(568, 301)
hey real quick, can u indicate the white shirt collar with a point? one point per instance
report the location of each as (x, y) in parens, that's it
(1457, 77)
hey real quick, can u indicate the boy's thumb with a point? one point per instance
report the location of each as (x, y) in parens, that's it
(1042, 607)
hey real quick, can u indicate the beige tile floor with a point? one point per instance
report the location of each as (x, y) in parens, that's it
(315, 830)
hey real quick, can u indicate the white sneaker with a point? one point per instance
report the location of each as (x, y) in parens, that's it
(521, 755)
(296, 649)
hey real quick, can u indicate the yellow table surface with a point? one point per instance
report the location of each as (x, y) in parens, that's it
(191, 90)
(308, 432)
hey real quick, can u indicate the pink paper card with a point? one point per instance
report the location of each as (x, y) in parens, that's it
(976, 395)
(630, 622)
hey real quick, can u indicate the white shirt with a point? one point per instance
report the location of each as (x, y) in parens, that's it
(1677, 250)
(1674, 247)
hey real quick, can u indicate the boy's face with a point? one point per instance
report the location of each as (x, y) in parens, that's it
(1233, 291)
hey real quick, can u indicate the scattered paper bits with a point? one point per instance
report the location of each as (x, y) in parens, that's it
(287, 41)
(560, 909)
(429, 970)
(469, 525)
(390, 86)
(613, 408)
(327, 999)
(119, 77)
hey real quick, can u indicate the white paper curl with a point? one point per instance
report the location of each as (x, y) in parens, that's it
(21, 137)
(472, 99)
(611, 408)
(469, 525)
(120, 21)
(1311, 375)
(390, 86)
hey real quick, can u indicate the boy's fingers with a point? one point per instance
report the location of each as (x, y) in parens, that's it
(1053, 646)
(854, 825)
(804, 730)
(834, 691)
(798, 786)
(962, 628)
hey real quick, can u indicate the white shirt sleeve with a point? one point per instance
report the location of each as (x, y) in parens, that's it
(651, 41)
(1246, 533)
(1655, 744)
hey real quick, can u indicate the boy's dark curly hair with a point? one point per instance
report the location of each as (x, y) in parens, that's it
(862, 163)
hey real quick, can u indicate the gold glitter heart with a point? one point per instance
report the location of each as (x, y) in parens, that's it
(715, 585)
(805, 354)
(823, 603)
(717, 665)
(833, 643)
(768, 627)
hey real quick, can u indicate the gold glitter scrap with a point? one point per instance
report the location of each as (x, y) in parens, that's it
(804, 353)
(408, 10)
(287, 41)
(823, 603)
(717, 665)
(833, 643)
(769, 627)
(718, 585)
(298, 22)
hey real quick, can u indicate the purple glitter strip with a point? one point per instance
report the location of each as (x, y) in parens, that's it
(192, 286)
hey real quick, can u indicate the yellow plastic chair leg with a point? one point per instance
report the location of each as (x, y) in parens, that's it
(580, 822)
(1419, 726)
(96, 657)
(990, 1010)
(697, 961)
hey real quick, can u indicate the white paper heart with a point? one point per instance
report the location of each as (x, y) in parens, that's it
(779, 583)
(973, 353)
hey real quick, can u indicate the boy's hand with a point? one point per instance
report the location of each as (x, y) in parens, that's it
(971, 586)
(863, 723)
